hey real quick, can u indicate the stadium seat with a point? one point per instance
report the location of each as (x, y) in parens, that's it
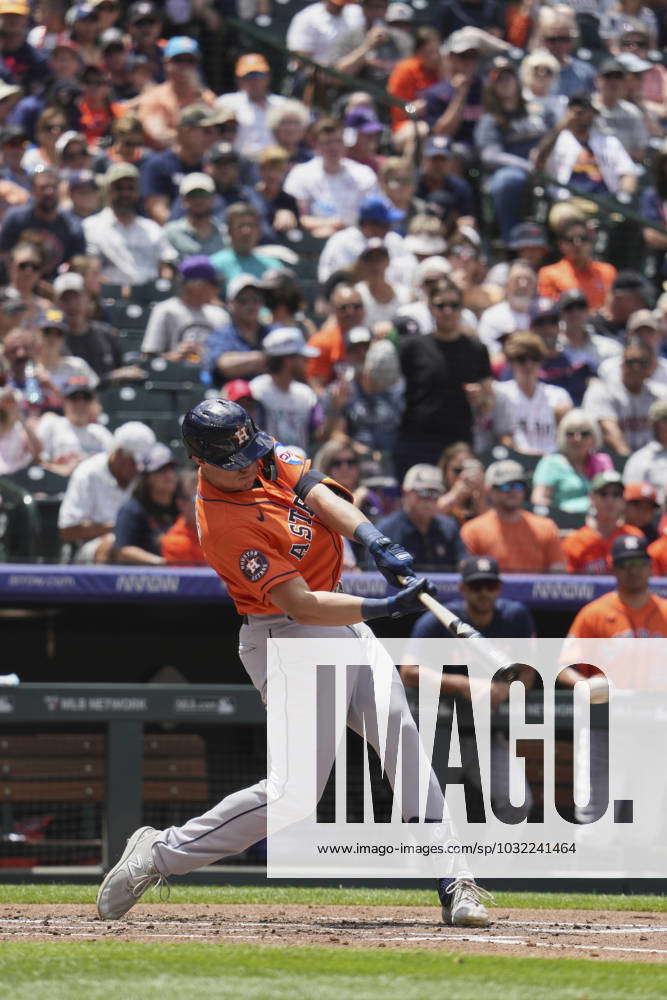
(20, 524)
(152, 291)
(47, 490)
(172, 374)
(128, 315)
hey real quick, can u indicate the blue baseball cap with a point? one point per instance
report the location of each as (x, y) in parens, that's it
(181, 45)
(438, 145)
(377, 209)
(629, 547)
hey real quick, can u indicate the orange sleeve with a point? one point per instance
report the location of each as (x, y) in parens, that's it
(518, 26)
(553, 549)
(179, 548)
(585, 624)
(658, 553)
(401, 85)
(471, 538)
(322, 365)
(547, 285)
(573, 550)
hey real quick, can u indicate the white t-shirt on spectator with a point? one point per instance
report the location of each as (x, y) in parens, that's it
(534, 417)
(93, 494)
(69, 367)
(288, 416)
(62, 439)
(612, 401)
(611, 370)
(130, 255)
(648, 465)
(172, 322)
(500, 319)
(315, 31)
(343, 248)
(331, 196)
(253, 134)
(377, 312)
(15, 453)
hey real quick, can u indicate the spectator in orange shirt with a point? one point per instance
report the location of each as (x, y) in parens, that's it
(576, 269)
(347, 312)
(588, 550)
(519, 541)
(180, 544)
(413, 75)
(642, 509)
(160, 107)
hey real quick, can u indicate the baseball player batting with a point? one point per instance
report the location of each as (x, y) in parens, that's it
(271, 527)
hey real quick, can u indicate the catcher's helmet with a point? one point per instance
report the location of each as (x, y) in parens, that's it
(223, 434)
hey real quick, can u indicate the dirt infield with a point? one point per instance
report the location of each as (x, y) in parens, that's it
(599, 934)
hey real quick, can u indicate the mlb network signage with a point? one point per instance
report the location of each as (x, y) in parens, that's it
(551, 766)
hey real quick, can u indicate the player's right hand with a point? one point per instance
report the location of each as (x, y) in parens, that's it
(407, 601)
(392, 560)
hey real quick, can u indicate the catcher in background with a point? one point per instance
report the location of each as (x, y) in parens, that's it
(271, 527)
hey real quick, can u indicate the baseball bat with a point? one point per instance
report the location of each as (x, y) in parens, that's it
(461, 630)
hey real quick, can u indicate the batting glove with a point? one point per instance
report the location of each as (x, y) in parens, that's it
(391, 559)
(405, 602)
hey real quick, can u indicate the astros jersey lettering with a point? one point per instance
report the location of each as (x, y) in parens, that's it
(266, 535)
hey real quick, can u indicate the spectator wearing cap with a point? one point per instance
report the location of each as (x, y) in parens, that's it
(144, 26)
(576, 268)
(280, 212)
(241, 257)
(432, 538)
(645, 326)
(315, 29)
(371, 50)
(84, 193)
(97, 343)
(367, 399)
(577, 153)
(642, 510)
(162, 172)
(151, 510)
(382, 299)
(588, 549)
(160, 108)
(628, 293)
(562, 479)
(72, 152)
(622, 408)
(454, 103)
(437, 173)
(557, 32)
(536, 406)
(649, 464)
(558, 367)
(347, 311)
(410, 77)
(529, 242)
(197, 231)
(235, 350)
(179, 545)
(97, 489)
(292, 413)
(251, 103)
(69, 439)
(635, 69)
(25, 265)
(577, 337)
(447, 381)
(513, 313)
(24, 65)
(239, 391)
(505, 136)
(9, 96)
(616, 116)
(519, 541)
(330, 188)
(179, 328)
(361, 136)
(59, 235)
(127, 146)
(114, 57)
(133, 250)
(59, 364)
(375, 221)
(83, 22)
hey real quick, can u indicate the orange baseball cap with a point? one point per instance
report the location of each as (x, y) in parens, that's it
(14, 7)
(641, 491)
(252, 63)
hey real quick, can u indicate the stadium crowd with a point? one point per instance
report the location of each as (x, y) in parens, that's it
(443, 284)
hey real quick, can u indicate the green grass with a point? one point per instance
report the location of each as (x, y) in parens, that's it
(147, 971)
(333, 897)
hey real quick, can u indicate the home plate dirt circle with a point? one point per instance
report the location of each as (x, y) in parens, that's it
(630, 936)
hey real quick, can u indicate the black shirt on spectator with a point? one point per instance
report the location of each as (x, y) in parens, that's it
(26, 67)
(141, 524)
(438, 98)
(456, 14)
(441, 548)
(162, 173)
(59, 240)
(99, 346)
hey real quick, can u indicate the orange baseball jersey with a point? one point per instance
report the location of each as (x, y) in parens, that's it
(180, 545)
(266, 535)
(608, 617)
(587, 551)
(658, 553)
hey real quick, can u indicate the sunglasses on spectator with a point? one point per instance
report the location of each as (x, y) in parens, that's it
(524, 359)
(74, 154)
(555, 39)
(145, 22)
(27, 265)
(578, 240)
(52, 331)
(446, 304)
(580, 432)
(615, 494)
(428, 494)
(185, 60)
(516, 484)
(636, 362)
(543, 71)
(131, 143)
(638, 562)
(571, 306)
(124, 186)
(337, 462)
(634, 43)
(349, 307)
(79, 397)
(479, 585)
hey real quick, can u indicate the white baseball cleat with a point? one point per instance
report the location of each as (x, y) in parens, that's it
(462, 904)
(131, 877)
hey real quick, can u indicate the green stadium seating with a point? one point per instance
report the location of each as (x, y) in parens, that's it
(21, 534)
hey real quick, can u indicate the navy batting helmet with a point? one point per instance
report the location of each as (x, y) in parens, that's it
(223, 434)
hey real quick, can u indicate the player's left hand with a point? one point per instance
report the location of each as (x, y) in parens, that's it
(392, 560)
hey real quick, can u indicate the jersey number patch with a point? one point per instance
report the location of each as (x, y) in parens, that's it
(254, 564)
